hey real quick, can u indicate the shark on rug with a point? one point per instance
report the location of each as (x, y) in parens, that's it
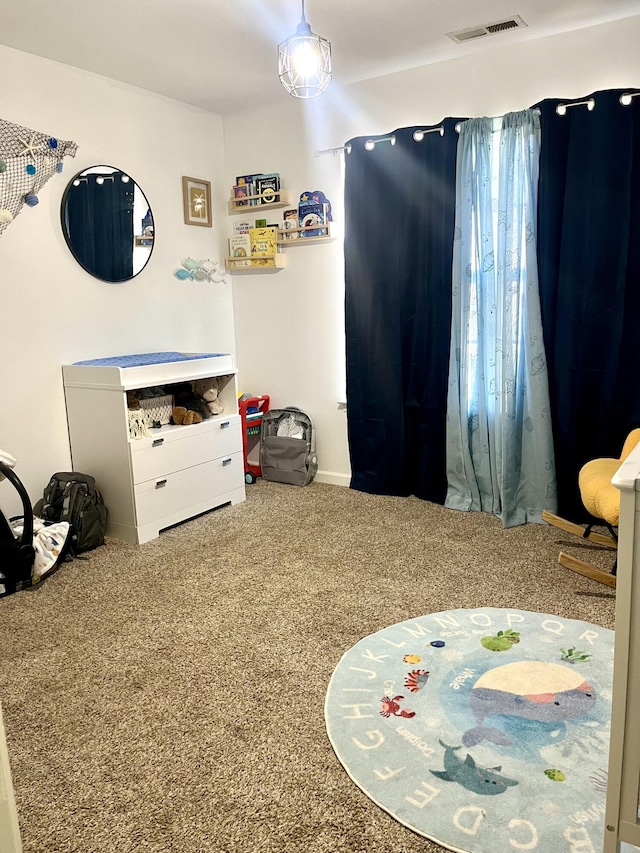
(480, 780)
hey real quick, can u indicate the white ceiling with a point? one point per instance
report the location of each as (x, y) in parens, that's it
(221, 55)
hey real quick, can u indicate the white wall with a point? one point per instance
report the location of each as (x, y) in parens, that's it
(54, 313)
(289, 325)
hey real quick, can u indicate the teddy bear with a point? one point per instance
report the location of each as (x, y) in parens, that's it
(208, 390)
(212, 400)
(181, 415)
(188, 407)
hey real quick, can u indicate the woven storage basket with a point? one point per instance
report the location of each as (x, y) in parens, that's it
(157, 409)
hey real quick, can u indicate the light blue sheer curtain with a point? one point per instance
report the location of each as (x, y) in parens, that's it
(499, 441)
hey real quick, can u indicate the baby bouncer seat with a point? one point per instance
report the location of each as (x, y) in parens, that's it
(30, 550)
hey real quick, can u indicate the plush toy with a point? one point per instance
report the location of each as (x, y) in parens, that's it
(181, 415)
(212, 400)
(132, 400)
(207, 390)
(188, 407)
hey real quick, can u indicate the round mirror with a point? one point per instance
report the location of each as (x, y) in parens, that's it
(107, 223)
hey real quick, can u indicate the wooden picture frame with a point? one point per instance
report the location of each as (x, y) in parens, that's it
(196, 199)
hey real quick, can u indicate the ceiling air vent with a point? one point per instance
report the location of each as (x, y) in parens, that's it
(470, 33)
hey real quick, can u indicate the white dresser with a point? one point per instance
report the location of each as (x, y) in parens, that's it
(149, 484)
(622, 827)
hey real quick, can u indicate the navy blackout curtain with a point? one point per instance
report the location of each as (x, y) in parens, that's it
(589, 273)
(399, 220)
(399, 208)
(99, 221)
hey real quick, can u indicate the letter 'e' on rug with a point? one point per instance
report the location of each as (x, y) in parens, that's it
(484, 730)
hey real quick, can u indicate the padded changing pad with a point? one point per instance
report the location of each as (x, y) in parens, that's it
(146, 358)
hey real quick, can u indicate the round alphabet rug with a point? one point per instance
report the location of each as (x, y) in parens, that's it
(484, 730)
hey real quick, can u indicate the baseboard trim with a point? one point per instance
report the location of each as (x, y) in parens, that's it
(333, 478)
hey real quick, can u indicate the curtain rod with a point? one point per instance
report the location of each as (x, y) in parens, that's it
(458, 126)
(625, 99)
(418, 135)
(561, 109)
(370, 144)
(333, 151)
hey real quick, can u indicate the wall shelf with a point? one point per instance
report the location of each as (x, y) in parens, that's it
(254, 270)
(285, 238)
(300, 239)
(241, 206)
(233, 265)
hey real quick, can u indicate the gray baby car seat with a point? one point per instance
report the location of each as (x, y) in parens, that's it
(30, 551)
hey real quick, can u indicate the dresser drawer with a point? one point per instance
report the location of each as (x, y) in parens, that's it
(176, 492)
(177, 448)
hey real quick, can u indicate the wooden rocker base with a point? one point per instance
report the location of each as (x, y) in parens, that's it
(587, 569)
(577, 530)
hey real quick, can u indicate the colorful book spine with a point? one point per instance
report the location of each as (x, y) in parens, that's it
(263, 242)
(249, 181)
(240, 250)
(268, 188)
(311, 213)
(240, 193)
(290, 224)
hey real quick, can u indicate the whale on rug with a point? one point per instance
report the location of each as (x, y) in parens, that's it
(532, 690)
(481, 780)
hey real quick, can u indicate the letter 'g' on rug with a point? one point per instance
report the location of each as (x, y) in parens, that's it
(484, 730)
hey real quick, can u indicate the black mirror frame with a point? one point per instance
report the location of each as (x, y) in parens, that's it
(63, 204)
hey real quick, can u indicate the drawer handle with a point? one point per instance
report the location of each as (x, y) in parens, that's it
(160, 483)
(224, 424)
(157, 442)
(226, 461)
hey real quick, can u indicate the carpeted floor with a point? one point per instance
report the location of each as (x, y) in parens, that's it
(169, 697)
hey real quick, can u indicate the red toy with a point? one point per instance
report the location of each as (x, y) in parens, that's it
(252, 410)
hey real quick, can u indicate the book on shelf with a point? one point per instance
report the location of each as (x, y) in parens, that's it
(240, 193)
(249, 181)
(268, 188)
(263, 242)
(311, 213)
(289, 221)
(241, 227)
(263, 262)
(240, 250)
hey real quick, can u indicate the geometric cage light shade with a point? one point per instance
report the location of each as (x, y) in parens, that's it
(304, 62)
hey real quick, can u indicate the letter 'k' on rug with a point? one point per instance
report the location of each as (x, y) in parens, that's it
(484, 730)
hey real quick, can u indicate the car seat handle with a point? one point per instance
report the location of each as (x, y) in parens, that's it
(27, 529)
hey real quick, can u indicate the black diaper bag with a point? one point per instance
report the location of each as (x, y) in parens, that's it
(73, 497)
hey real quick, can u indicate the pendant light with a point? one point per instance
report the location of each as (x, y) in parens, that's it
(304, 62)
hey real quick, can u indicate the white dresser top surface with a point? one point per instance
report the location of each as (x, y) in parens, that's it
(146, 369)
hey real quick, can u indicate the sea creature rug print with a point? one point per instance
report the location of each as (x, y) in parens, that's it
(484, 730)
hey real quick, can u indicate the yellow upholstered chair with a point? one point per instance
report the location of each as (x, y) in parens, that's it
(601, 500)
